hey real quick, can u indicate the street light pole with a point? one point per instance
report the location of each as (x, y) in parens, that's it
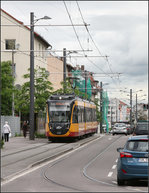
(86, 84)
(111, 117)
(13, 82)
(101, 107)
(32, 76)
(130, 107)
(64, 68)
(136, 110)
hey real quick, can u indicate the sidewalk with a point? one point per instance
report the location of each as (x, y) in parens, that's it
(17, 144)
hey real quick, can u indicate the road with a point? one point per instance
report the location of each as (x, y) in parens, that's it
(88, 168)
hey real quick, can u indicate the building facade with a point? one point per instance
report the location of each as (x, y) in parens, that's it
(15, 46)
(118, 111)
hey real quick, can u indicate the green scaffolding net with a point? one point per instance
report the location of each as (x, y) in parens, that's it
(105, 102)
(79, 82)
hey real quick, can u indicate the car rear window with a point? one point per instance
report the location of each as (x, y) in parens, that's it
(142, 127)
(138, 145)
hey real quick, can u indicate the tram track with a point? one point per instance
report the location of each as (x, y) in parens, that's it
(18, 160)
(49, 179)
(84, 171)
(20, 151)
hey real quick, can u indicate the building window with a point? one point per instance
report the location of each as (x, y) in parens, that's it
(10, 44)
(39, 50)
(42, 52)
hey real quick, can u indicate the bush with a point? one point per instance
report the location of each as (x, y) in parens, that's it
(2, 143)
(18, 135)
(39, 135)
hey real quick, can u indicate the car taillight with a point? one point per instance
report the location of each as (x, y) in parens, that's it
(125, 154)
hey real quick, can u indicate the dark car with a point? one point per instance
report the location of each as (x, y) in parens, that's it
(129, 129)
(141, 129)
(133, 160)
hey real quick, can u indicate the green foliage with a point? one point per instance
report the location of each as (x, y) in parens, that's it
(18, 135)
(2, 143)
(68, 89)
(43, 90)
(40, 135)
(7, 88)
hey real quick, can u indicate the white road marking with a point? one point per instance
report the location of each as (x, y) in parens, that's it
(110, 174)
(110, 138)
(116, 160)
(114, 166)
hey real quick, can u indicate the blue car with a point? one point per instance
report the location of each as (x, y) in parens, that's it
(133, 160)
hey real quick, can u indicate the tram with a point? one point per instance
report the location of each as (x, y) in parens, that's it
(70, 116)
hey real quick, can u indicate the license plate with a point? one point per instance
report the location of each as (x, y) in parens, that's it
(58, 133)
(143, 159)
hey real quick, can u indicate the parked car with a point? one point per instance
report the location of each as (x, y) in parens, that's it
(119, 128)
(133, 160)
(141, 129)
(104, 128)
(129, 129)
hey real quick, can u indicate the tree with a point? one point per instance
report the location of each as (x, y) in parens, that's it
(43, 89)
(7, 88)
(67, 88)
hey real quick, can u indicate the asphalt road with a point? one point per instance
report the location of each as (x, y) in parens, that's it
(89, 168)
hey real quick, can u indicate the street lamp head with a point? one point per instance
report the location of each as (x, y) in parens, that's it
(46, 17)
(105, 84)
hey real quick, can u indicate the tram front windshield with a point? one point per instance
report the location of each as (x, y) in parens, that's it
(59, 112)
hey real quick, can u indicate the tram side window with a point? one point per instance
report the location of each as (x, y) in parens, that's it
(79, 115)
(75, 115)
(88, 114)
(94, 117)
(82, 113)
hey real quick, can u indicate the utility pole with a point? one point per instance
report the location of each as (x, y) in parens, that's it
(136, 110)
(32, 76)
(111, 117)
(101, 106)
(13, 82)
(85, 84)
(130, 107)
(64, 68)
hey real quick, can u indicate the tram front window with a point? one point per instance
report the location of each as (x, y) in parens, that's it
(59, 116)
(59, 112)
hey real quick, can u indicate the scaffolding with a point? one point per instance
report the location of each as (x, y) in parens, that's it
(79, 82)
(105, 102)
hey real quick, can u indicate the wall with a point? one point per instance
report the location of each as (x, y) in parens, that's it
(55, 68)
(14, 123)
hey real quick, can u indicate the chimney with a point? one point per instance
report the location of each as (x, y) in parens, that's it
(82, 67)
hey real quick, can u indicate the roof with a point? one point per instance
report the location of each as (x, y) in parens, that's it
(138, 137)
(35, 33)
(122, 103)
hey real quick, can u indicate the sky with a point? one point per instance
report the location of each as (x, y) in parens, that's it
(116, 29)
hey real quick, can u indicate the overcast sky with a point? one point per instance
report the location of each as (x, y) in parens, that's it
(119, 30)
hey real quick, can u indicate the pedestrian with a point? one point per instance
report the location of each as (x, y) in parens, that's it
(24, 128)
(6, 131)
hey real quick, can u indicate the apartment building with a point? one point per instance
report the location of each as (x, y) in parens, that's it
(118, 111)
(55, 68)
(15, 46)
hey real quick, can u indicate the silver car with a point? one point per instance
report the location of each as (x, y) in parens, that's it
(119, 128)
